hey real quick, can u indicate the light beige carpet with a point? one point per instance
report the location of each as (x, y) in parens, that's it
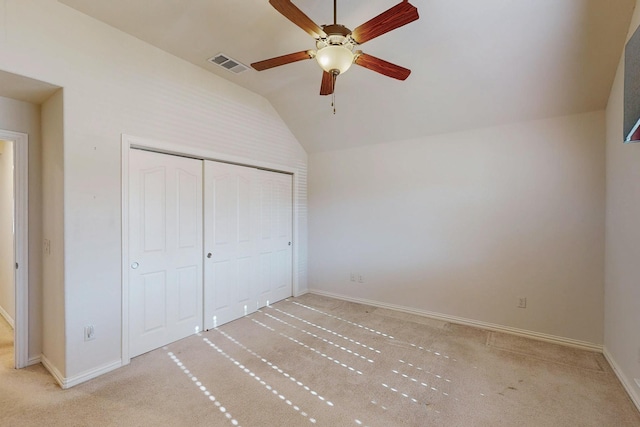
(318, 361)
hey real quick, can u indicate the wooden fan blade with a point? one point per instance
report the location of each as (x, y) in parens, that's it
(399, 15)
(295, 15)
(282, 60)
(383, 67)
(326, 88)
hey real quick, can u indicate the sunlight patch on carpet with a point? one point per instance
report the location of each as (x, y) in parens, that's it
(322, 328)
(203, 389)
(276, 368)
(338, 346)
(344, 320)
(261, 381)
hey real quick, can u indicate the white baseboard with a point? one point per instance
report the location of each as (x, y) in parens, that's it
(303, 292)
(584, 345)
(92, 373)
(55, 373)
(34, 360)
(627, 383)
(8, 318)
(80, 378)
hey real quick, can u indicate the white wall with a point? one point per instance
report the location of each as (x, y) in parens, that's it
(622, 266)
(7, 270)
(463, 224)
(24, 117)
(115, 84)
(53, 262)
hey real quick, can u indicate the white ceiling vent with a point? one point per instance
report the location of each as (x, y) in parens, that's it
(228, 63)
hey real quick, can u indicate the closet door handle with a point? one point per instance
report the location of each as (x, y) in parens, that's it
(209, 255)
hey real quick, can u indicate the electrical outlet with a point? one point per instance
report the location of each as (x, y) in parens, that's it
(353, 277)
(46, 246)
(89, 333)
(360, 278)
(522, 302)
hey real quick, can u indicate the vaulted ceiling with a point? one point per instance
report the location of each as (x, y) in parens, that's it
(474, 63)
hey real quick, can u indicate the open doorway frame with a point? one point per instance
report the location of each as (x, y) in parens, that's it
(21, 243)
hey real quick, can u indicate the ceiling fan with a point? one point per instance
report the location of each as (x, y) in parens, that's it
(335, 43)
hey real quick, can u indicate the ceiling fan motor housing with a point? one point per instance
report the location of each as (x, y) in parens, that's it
(335, 51)
(336, 30)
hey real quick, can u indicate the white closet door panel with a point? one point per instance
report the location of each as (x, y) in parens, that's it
(246, 211)
(274, 247)
(189, 188)
(265, 283)
(188, 303)
(165, 220)
(152, 186)
(267, 199)
(231, 209)
(219, 302)
(154, 296)
(246, 279)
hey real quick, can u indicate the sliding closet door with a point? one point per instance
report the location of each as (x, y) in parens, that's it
(275, 243)
(231, 234)
(248, 226)
(165, 232)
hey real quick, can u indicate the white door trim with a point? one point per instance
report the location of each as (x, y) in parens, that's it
(21, 243)
(128, 142)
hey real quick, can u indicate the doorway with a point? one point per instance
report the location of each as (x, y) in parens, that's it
(14, 240)
(7, 270)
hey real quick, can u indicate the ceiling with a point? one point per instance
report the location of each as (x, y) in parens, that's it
(474, 63)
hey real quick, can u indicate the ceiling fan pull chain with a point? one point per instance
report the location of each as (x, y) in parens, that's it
(333, 102)
(333, 91)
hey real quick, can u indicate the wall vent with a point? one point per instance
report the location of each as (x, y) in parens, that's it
(228, 63)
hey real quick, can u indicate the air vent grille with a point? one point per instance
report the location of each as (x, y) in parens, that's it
(228, 63)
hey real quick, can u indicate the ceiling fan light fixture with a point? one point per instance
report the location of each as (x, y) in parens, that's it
(336, 43)
(334, 58)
